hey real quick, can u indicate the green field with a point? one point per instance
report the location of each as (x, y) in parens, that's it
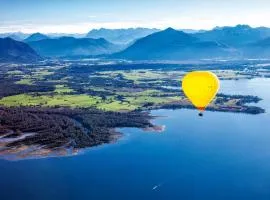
(62, 89)
(82, 101)
(116, 90)
(25, 81)
(50, 100)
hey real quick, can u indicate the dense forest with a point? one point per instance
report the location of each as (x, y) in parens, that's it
(56, 127)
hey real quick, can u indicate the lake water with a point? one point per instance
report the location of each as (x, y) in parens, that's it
(218, 156)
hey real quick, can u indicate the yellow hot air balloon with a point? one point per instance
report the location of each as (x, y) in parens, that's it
(201, 88)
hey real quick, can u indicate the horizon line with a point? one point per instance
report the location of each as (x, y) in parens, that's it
(134, 27)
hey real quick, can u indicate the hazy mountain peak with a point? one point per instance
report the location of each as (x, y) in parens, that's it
(173, 31)
(36, 37)
(172, 35)
(169, 29)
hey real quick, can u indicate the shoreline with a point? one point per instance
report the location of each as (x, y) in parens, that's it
(39, 151)
(77, 117)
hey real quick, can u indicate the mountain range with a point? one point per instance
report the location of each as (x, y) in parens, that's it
(234, 36)
(238, 42)
(122, 36)
(70, 46)
(171, 44)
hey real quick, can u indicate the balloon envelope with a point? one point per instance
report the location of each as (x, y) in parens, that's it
(200, 87)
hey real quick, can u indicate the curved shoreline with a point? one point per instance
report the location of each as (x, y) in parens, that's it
(24, 148)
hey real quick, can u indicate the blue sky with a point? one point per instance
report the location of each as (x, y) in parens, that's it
(80, 16)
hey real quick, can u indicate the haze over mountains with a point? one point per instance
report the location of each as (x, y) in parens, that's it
(234, 36)
(237, 42)
(122, 36)
(70, 46)
(19, 36)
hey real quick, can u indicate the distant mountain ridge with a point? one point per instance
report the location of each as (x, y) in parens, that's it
(241, 41)
(122, 36)
(69, 46)
(234, 36)
(171, 44)
(36, 37)
(15, 51)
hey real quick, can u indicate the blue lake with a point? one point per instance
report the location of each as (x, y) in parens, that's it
(218, 156)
